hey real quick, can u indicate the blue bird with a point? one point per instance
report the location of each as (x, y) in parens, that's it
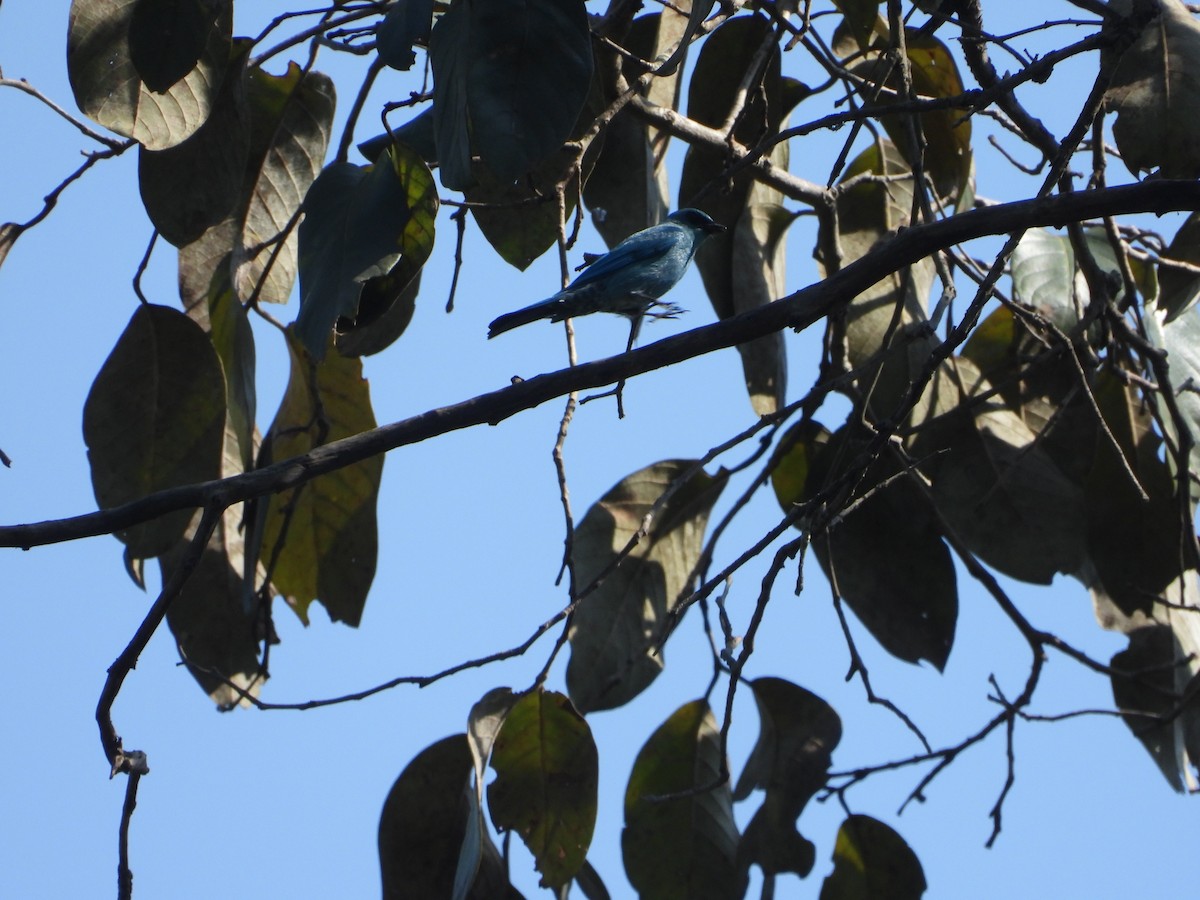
(629, 279)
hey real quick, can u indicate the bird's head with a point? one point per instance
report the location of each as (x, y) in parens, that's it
(698, 221)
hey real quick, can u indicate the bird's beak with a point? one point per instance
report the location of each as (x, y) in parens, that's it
(714, 228)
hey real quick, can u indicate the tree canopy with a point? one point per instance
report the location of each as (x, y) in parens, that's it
(1001, 389)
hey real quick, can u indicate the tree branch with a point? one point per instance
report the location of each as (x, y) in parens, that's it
(798, 311)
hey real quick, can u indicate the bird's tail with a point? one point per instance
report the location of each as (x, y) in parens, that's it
(544, 310)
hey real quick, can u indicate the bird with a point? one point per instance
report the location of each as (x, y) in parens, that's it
(629, 279)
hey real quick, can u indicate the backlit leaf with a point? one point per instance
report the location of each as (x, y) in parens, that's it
(871, 860)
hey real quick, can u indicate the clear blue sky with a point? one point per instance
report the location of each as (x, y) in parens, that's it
(286, 804)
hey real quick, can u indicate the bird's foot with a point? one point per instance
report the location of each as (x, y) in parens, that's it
(665, 311)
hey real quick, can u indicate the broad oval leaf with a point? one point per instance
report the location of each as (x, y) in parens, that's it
(790, 761)
(1180, 288)
(509, 82)
(148, 69)
(547, 772)
(871, 860)
(192, 186)
(405, 24)
(155, 419)
(759, 257)
(1156, 97)
(423, 824)
(685, 847)
(615, 631)
(358, 223)
(323, 534)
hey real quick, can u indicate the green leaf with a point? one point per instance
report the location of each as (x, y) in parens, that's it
(1045, 277)
(886, 555)
(192, 186)
(1180, 288)
(510, 79)
(234, 342)
(154, 419)
(324, 532)
(614, 653)
(358, 222)
(423, 824)
(547, 771)
(290, 120)
(1132, 573)
(627, 188)
(877, 339)
(759, 257)
(405, 24)
(417, 132)
(1145, 686)
(167, 38)
(870, 860)
(685, 846)
(385, 310)
(790, 761)
(1156, 98)
(216, 634)
(159, 108)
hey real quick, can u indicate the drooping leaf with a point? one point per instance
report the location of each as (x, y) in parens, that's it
(946, 150)
(232, 338)
(509, 82)
(1179, 336)
(194, 185)
(615, 630)
(323, 534)
(358, 223)
(405, 24)
(685, 846)
(1132, 572)
(994, 482)
(217, 636)
(1180, 289)
(423, 824)
(547, 772)
(162, 106)
(290, 120)
(627, 188)
(385, 310)
(1156, 97)
(871, 860)
(417, 132)
(790, 761)
(154, 419)
(879, 339)
(1045, 277)
(759, 256)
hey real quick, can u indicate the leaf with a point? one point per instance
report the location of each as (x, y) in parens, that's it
(1045, 277)
(547, 771)
(1132, 572)
(154, 419)
(406, 23)
(167, 39)
(685, 846)
(233, 340)
(946, 154)
(192, 186)
(878, 338)
(1179, 336)
(422, 826)
(1156, 97)
(417, 132)
(1180, 289)
(323, 534)
(758, 266)
(290, 120)
(358, 223)
(871, 860)
(385, 310)
(1145, 687)
(510, 80)
(217, 636)
(614, 635)
(627, 188)
(790, 761)
(994, 482)
(107, 39)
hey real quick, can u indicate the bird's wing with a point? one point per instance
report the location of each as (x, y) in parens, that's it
(645, 245)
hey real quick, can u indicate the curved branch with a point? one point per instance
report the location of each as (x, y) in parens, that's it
(798, 311)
